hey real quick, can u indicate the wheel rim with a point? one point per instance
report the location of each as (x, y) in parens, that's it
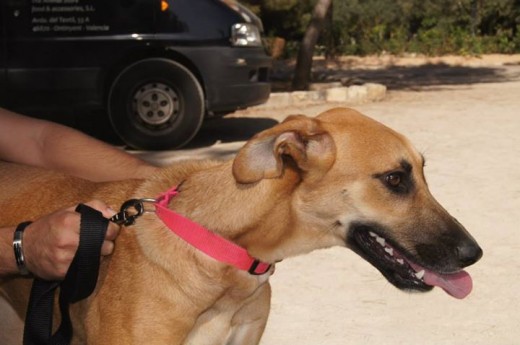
(156, 104)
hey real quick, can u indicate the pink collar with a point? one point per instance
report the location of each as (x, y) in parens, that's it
(206, 241)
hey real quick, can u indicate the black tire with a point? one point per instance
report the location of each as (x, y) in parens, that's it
(156, 104)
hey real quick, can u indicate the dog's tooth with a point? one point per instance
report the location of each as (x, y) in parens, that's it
(372, 234)
(381, 241)
(389, 251)
(420, 274)
(400, 261)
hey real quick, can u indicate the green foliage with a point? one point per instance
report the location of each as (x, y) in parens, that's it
(283, 18)
(433, 27)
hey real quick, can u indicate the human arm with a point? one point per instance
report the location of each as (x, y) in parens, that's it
(50, 243)
(52, 146)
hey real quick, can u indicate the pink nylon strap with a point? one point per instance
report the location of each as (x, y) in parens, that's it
(206, 241)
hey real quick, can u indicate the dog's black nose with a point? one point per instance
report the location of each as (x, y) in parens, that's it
(468, 252)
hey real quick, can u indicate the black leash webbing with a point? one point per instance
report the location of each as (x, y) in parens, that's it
(80, 281)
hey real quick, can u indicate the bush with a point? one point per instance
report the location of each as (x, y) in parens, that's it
(431, 27)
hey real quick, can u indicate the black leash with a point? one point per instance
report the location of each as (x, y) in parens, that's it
(80, 281)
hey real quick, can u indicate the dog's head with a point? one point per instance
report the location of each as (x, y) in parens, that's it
(361, 184)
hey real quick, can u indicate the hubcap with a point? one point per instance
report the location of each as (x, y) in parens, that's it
(156, 104)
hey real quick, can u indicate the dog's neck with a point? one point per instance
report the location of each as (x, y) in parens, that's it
(260, 216)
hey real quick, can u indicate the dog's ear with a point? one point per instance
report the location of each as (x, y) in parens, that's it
(298, 138)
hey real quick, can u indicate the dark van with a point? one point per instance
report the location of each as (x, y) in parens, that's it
(158, 67)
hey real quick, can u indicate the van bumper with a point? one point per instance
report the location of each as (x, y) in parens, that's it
(233, 77)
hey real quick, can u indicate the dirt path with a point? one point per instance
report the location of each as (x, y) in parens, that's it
(470, 135)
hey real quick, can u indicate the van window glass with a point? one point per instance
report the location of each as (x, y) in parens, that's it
(202, 20)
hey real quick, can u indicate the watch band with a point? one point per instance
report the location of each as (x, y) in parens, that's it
(18, 248)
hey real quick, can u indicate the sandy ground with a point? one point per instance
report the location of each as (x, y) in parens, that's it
(471, 138)
(469, 132)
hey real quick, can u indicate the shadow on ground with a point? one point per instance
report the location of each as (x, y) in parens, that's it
(401, 77)
(227, 130)
(230, 133)
(223, 130)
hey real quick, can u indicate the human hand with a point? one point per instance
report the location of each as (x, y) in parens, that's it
(50, 242)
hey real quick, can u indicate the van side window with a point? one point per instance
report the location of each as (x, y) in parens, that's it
(198, 18)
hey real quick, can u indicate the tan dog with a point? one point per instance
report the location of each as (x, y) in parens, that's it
(340, 179)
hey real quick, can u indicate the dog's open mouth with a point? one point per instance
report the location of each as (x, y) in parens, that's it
(400, 270)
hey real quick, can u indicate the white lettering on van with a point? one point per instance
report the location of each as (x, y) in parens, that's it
(39, 20)
(41, 28)
(67, 20)
(40, 9)
(98, 27)
(66, 16)
(67, 28)
(68, 9)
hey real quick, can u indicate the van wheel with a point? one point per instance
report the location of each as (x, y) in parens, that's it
(156, 104)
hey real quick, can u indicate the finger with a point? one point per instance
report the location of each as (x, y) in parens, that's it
(112, 231)
(108, 212)
(64, 221)
(107, 248)
(99, 205)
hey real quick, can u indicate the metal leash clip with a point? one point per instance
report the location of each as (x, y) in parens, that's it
(130, 211)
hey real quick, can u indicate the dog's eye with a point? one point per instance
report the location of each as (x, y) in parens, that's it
(394, 179)
(398, 182)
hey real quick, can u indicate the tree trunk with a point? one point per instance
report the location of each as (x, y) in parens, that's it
(302, 71)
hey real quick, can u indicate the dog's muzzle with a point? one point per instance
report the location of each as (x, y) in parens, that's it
(438, 264)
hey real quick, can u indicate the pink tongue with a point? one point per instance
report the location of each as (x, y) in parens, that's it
(458, 284)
